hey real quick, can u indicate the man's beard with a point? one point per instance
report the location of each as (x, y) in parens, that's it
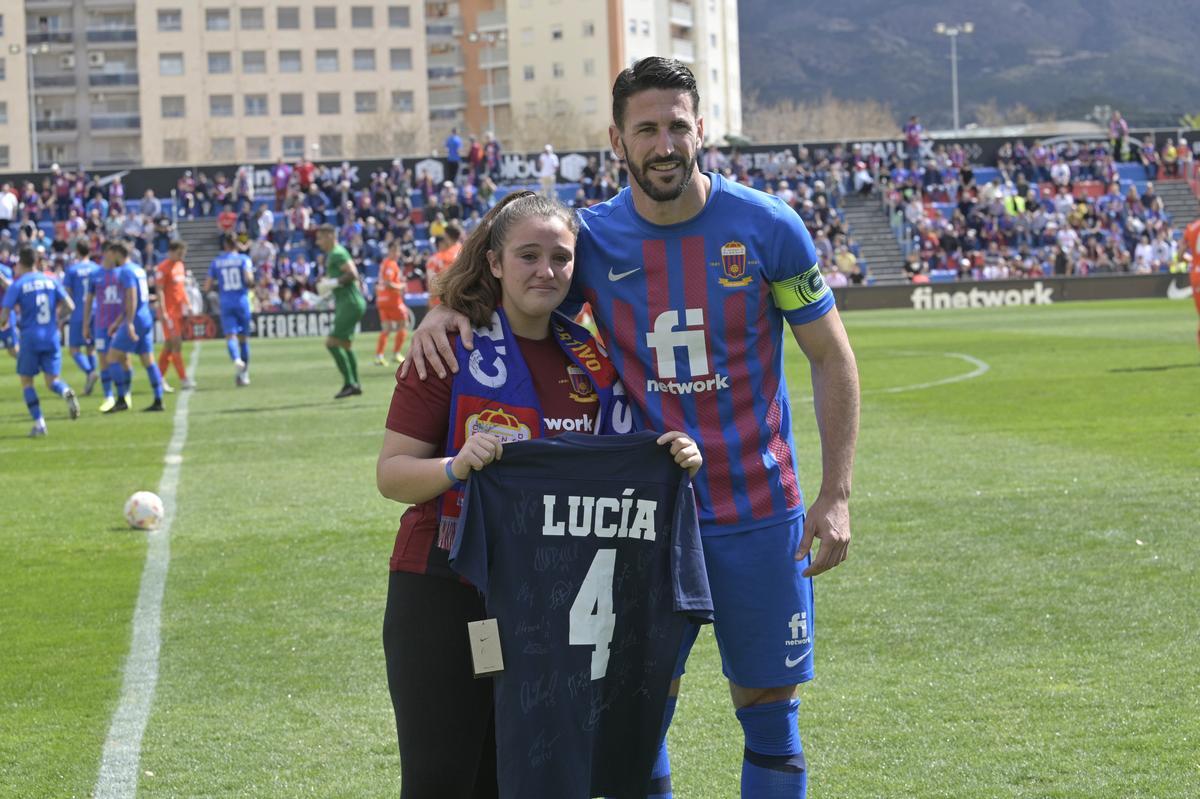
(644, 182)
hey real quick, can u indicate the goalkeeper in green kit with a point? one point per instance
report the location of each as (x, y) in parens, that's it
(348, 308)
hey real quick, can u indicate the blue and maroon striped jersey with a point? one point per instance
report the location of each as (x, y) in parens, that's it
(693, 315)
(109, 300)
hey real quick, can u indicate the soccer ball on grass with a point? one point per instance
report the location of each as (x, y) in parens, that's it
(144, 510)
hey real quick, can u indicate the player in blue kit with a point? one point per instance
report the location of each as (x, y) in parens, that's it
(693, 281)
(79, 338)
(103, 305)
(40, 301)
(133, 332)
(7, 339)
(534, 375)
(233, 273)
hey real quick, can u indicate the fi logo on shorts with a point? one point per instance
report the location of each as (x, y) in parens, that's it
(798, 627)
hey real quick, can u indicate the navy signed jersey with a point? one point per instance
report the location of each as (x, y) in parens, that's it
(588, 551)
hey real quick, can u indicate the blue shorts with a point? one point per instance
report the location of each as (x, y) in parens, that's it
(144, 345)
(6, 338)
(763, 606)
(39, 356)
(75, 336)
(235, 320)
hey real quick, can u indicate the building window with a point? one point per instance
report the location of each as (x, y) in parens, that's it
(170, 63)
(556, 33)
(256, 105)
(293, 146)
(170, 19)
(589, 66)
(645, 27)
(712, 39)
(221, 148)
(4, 158)
(252, 19)
(327, 61)
(398, 17)
(361, 17)
(366, 102)
(589, 29)
(3, 113)
(3, 69)
(716, 110)
(715, 73)
(258, 148)
(220, 105)
(1, 24)
(558, 69)
(329, 103)
(529, 72)
(402, 102)
(589, 104)
(217, 19)
(526, 35)
(173, 106)
(400, 59)
(254, 62)
(633, 26)
(364, 60)
(287, 18)
(289, 60)
(220, 63)
(330, 145)
(291, 104)
(325, 17)
(175, 150)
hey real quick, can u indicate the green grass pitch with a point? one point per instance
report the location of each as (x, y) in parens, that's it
(1018, 617)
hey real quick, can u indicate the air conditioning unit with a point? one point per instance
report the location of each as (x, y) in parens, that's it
(67, 61)
(95, 59)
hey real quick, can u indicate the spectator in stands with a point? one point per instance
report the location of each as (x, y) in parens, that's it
(1118, 137)
(281, 179)
(863, 182)
(9, 204)
(912, 139)
(548, 171)
(1148, 155)
(1170, 159)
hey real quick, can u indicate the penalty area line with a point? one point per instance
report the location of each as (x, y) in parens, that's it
(118, 778)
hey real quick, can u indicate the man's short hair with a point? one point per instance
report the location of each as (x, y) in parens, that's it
(26, 257)
(327, 228)
(654, 72)
(119, 247)
(177, 245)
(228, 241)
(82, 248)
(453, 232)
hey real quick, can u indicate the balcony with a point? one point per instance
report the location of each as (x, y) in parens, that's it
(446, 61)
(47, 5)
(46, 125)
(496, 94)
(114, 79)
(121, 122)
(49, 37)
(444, 27)
(54, 81)
(446, 99)
(494, 57)
(111, 35)
(682, 14)
(442, 73)
(492, 20)
(683, 50)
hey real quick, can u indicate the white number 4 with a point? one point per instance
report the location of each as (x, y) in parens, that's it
(592, 617)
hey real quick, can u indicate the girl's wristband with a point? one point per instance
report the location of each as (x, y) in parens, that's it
(450, 471)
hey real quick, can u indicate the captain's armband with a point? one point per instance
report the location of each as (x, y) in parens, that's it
(796, 292)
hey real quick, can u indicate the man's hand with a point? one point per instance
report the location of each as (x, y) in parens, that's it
(431, 348)
(132, 331)
(828, 520)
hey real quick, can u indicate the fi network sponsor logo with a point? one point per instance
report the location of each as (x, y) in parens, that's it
(682, 330)
(798, 627)
(926, 298)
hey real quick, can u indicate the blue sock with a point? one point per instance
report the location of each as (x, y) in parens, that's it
(124, 377)
(106, 380)
(93, 363)
(31, 402)
(244, 348)
(155, 380)
(773, 761)
(83, 362)
(660, 777)
(232, 345)
(59, 387)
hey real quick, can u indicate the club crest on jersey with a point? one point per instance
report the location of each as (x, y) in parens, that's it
(503, 426)
(581, 386)
(733, 265)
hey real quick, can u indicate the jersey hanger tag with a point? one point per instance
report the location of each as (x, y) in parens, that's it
(485, 647)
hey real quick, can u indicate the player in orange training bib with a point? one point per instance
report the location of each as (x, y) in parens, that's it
(394, 315)
(170, 278)
(1191, 238)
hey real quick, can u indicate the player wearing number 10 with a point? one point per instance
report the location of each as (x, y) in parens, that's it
(233, 272)
(529, 383)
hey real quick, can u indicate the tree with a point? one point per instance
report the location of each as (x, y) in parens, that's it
(829, 119)
(555, 120)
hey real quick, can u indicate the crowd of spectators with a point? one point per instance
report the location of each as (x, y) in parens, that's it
(1064, 209)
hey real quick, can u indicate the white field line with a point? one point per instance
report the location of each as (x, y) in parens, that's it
(118, 778)
(981, 367)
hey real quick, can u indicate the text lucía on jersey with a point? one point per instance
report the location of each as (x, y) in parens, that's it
(682, 330)
(603, 517)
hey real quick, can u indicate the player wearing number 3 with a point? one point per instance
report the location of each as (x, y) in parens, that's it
(522, 383)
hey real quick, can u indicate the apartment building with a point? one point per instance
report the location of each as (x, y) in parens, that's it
(114, 83)
(542, 70)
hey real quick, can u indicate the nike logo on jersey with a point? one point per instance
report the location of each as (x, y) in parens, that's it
(615, 276)
(791, 662)
(1174, 292)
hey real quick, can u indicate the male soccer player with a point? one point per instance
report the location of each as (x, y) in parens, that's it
(1191, 239)
(40, 300)
(171, 283)
(133, 332)
(103, 304)
(691, 279)
(79, 339)
(349, 307)
(394, 316)
(7, 339)
(234, 274)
